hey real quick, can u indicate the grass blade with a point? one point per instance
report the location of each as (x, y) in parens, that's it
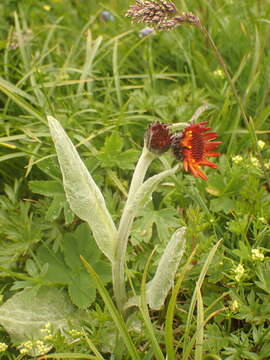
(116, 73)
(170, 311)
(145, 314)
(22, 103)
(186, 347)
(200, 326)
(92, 346)
(118, 320)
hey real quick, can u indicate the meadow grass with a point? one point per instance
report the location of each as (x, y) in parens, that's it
(105, 83)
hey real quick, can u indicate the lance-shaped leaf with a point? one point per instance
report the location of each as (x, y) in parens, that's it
(162, 282)
(83, 195)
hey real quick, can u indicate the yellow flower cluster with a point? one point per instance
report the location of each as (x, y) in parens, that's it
(47, 7)
(257, 255)
(37, 346)
(254, 161)
(237, 159)
(26, 347)
(219, 73)
(261, 144)
(75, 333)
(234, 306)
(47, 332)
(3, 347)
(239, 272)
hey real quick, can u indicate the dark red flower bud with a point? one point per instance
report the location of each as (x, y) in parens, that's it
(157, 138)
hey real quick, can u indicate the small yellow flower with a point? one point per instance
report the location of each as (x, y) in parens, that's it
(239, 272)
(3, 347)
(47, 7)
(234, 306)
(257, 254)
(75, 333)
(28, 345)
(48, 337)
(267, 165)
(237, 159)
(254, 161)
(219, 73)
(41, 347)
(262, 220)
(23, 351)
(261, 144)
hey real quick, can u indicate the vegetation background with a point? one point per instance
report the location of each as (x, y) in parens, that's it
(106, 82)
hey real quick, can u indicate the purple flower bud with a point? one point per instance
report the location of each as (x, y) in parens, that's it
(146, 31)
(106, 16)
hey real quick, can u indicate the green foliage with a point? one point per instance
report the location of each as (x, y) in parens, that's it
(65, 268)
(20, 227)
(164, 220)
(55, 190)
(105, 86)
(112, 153)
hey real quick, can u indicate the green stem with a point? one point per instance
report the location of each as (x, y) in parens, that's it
(248, 122)
(118, 266)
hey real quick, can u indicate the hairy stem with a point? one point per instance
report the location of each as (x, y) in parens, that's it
(118, 266)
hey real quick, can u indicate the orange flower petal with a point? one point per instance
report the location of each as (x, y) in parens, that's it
(194, 146)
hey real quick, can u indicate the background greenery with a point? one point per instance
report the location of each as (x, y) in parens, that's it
(106, 83)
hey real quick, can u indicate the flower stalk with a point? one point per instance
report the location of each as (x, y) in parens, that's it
(118, 266)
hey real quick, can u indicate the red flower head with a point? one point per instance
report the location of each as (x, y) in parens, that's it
(193, 147)
(157, 138)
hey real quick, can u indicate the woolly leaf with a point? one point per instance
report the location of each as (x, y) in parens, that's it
(83, 195)
(26, 312)
(160, 285)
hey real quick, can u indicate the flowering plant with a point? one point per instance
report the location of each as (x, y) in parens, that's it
(192, 146)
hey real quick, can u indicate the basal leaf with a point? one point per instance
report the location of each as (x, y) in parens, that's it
(103, 269)
(82, 290)
(57, 272)
(80, 243)
(26, 312)
(83, 194)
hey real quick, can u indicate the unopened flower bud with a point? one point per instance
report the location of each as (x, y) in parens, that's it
(157, 138)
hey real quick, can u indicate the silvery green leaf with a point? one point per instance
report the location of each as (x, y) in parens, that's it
(84, 197)
(162, 282)
(26, 312)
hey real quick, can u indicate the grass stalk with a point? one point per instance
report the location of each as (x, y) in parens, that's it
(248, 121)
